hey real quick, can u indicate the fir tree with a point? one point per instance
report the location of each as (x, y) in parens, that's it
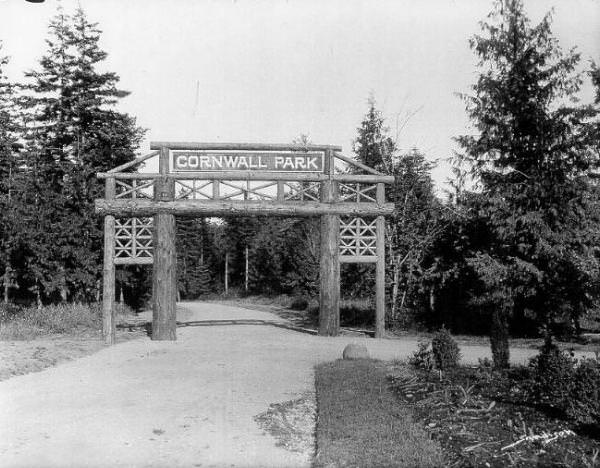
(373, 146)
(195, 256)
(10, 193)
(533, 153)
(73, 133)
(412, 230)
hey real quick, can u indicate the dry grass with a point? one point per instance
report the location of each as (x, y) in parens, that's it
(361, 423)
(30, 323)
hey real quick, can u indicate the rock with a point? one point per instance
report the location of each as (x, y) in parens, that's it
(355, 351)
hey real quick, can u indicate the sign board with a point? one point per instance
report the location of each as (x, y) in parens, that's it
(267, 161)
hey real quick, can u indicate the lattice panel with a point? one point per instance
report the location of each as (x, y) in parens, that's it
(358, 192)
(134, 188)
(133, 240)
(298, 191)
(358, 238)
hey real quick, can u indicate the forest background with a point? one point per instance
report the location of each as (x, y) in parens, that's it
(510, 249)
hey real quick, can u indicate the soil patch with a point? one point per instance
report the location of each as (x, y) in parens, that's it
(292, 423)
(481, 419)
(23, 357)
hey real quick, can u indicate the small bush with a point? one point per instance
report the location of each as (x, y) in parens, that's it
(8, 311)
(552, 372)
(445, 350)
(583, 406)
(562, 383)
(357, 312)
(299, 303)
(422, 358)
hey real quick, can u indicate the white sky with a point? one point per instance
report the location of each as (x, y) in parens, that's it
(266, 71)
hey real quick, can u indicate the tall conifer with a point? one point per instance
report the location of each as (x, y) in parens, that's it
(73, 133)
(532, 153)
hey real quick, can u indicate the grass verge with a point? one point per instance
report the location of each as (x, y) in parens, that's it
(360, 422)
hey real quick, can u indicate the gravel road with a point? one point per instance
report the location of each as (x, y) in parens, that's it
(191, 402)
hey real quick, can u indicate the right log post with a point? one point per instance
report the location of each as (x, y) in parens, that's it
(329, 294)
(380, 268)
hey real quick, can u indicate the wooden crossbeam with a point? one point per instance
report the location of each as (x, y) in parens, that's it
(301, 192)
(178, 145)
(357, 192)
(247, 175)
(358, 258)
(360, 165)
(247, 190)
(191, 190)
(129, 207)
(135, 188)
(135, 162)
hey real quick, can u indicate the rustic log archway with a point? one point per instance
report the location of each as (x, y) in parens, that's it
(215, 179)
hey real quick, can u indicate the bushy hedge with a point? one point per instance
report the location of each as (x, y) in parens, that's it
(563, 383)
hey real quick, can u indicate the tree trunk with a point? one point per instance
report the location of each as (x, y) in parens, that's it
(121, 300)
(63, 286)
(395, 289)
(246, 273)
(226, 272)
(499, 338)
(6, 283)
(97, 290)
(38, 296)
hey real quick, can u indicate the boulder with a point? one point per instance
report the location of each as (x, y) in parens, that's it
(356, 351)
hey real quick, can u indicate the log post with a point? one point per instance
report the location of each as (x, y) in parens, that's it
(164, 274)
(108, 272)
(380, 268)
(329, 294)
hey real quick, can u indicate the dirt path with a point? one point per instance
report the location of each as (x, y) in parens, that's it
(192, 402)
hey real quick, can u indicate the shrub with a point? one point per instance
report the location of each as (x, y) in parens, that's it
(583, 406)
(422, 358)
(562, 383)
(8, 311)
(552, 371)
(357, 312)
(445, 350)
(299, 303)
(313, 309)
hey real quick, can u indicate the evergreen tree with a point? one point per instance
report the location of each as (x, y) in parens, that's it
(532, 154)
(373, 146)
(73, 133)
(195, 257)
(411, 233)
(199, 280)
(10, 132)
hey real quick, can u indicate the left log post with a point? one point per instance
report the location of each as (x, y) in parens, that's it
(329, 293)
(108, 287)
(164, 273)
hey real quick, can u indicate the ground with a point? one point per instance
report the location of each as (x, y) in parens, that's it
(220, 395)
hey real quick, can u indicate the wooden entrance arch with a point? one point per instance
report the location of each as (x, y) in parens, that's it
(216, 179)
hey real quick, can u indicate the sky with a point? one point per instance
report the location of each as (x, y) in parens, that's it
(270, 70)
